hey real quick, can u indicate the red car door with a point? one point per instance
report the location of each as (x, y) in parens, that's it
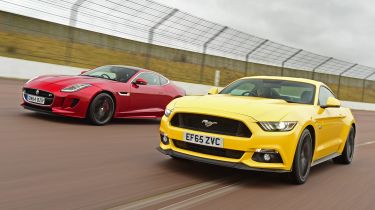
(168, 93)
(145, 100)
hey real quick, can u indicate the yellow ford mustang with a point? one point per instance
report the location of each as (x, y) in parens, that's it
(275, 124)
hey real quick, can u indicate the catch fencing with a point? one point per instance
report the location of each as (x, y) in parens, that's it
(156, 24)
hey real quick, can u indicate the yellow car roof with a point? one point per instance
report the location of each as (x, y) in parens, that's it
(310, 81)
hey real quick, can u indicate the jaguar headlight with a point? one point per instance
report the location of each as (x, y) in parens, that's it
(168, 112)
(74, 88)
(277, 126)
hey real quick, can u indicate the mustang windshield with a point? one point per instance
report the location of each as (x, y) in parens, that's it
(116, 73)
(290, 91)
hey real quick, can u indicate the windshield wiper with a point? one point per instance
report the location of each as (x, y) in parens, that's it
(289, 101)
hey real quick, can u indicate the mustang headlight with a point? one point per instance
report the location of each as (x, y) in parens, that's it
(74, 88)
(168, 112)
(277, 126)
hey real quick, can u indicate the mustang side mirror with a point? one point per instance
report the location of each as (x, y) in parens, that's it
(331, 102)
(213, 91)
(82, 72)
(140, 81)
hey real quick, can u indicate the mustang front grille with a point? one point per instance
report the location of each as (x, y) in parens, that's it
(228, 153)
(210, 124)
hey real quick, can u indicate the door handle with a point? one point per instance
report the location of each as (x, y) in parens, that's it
(124, 93)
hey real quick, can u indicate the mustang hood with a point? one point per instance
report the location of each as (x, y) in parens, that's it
(260, 109)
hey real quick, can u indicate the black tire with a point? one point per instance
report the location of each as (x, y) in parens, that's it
(347, 154)
(302, 159)
(101, 109)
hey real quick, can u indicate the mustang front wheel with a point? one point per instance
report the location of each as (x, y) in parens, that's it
(101, 109)
(302, 159)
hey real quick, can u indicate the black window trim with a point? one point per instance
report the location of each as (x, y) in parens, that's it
(329, 89)
(154, 73)
(168, 81)
(145, 72)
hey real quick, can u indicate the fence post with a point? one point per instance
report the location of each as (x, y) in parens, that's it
(217, 78)
(203, 63)
(251, 52)
(319, 65)
(364, 83)
(286, 60)
(72, 24)
(151, 36)
(340, 75)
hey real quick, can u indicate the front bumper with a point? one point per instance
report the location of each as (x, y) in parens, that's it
(64, 104)
(43, 110)
(238, 165)
(283, 142)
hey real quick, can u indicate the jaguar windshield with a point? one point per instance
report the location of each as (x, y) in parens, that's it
(116, 73)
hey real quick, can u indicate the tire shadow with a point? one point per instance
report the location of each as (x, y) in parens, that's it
(249, 179)
(54, 118)
(78, 121)
(118, 121)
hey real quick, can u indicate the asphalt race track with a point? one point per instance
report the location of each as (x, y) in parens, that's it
(61, 163)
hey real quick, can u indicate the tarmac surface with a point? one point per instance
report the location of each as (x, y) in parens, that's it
(49, 162)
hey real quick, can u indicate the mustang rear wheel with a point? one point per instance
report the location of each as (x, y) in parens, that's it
(302, 159)
(101, 109)
(347, 154)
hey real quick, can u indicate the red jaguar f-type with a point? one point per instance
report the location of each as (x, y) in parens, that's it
(102, 93)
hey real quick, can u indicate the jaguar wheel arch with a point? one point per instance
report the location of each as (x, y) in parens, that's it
(100, 114)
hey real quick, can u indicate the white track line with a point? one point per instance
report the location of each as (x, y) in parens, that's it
(365, 143)
(203, 197)
(167, 196)
(223, 190)
(191, 189)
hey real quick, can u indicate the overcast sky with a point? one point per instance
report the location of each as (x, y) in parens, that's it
(344, 29)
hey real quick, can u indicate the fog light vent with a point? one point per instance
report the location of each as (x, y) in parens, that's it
(74, 102)
(164, 138)
(266, 156)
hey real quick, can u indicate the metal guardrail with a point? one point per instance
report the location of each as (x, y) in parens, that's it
(154, 23)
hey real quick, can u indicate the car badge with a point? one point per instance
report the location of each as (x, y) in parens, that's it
(37, 92)
(208, 123)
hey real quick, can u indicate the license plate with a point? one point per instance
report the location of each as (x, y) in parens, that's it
(204, 140)
(35, 99)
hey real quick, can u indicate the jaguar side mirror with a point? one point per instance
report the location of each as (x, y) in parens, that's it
(140, 81)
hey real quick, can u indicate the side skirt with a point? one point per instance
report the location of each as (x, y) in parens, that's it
(328, 157)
